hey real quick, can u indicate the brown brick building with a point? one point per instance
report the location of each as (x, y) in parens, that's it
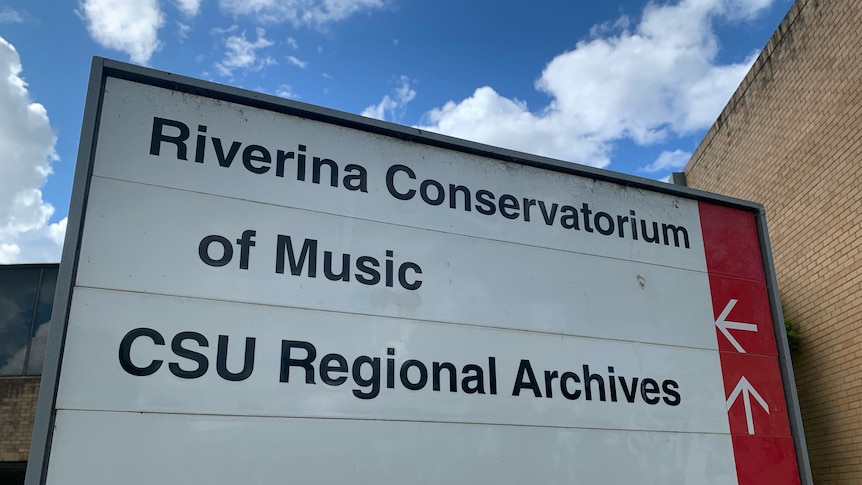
(17, 410)
(791, 138)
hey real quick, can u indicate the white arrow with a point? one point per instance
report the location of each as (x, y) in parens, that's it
(744, 387)
(724, 325)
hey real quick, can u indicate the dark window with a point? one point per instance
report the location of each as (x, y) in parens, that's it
(12, 473)
(26, 300)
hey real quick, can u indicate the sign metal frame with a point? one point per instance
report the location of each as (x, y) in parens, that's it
(102, 69)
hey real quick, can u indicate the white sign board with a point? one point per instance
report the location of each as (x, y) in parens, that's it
(265, 292)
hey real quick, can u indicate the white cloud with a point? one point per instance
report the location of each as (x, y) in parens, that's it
(296, 62)
(647, 82)
(291, 42)
(299, 12)
(189, 8)
(611, 27)
(286, 91)
(9, 16)
(183, 31)
(15, 360)
(229, 30)
(392, 107)
(28, 152)
(243, 54)
(127, 26)
(668, 160)
(741, 9)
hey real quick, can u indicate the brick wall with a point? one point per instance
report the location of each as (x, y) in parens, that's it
(791, 139)
(17, 410)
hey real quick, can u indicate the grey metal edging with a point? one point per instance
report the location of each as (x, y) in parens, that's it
(785, 363)
(33, 321)
(103, 68)
(43, 426)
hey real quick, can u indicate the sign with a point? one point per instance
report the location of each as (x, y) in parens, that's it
(258, 290)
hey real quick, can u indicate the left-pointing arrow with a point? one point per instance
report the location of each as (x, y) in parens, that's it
(745, 389)
(725, 325)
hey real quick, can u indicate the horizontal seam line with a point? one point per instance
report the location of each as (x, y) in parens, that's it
(393, 420)
(388, 317)
(704, 271)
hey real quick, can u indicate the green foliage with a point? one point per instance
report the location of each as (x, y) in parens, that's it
(793, 336)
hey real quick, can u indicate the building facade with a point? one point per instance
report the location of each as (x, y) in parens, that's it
(26, 300)
(791, 139)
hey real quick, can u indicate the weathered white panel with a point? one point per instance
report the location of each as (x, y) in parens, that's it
(579, 357)
(94, 378)
(142, 449)
(144, 238)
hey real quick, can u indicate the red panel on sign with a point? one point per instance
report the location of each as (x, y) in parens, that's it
(757, 380)
(757, 412)
(765, 460)
(742, 316)
(730, 242)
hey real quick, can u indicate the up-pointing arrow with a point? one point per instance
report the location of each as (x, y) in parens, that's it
(744, 387)
(725, 325)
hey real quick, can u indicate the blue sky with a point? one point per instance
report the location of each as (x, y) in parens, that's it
(631, 86)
